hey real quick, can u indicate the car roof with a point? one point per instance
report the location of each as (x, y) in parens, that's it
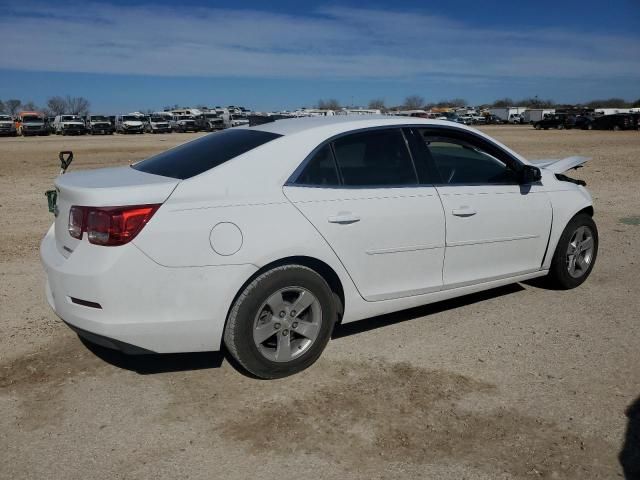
(341, 123)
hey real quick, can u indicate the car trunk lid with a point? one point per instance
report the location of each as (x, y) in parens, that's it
(560, 165)
(105, 187)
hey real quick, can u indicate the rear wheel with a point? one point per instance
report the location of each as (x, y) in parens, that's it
(575, 253)
(537, 126)
(560, 127)
(281, 322)
(616, 128)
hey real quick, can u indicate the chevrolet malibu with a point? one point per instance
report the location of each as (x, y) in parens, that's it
(264, 237)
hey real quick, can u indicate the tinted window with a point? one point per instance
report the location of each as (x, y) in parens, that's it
(321, 169)
(374, 158)
(193, 158)
(459, 162)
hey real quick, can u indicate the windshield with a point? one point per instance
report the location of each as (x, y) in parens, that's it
(99, 118)
(130, 118)
(184, 117)
(31, 118)
(193, 158)
(68, 118)
(5, 118)
(157, 119)
(211, 115)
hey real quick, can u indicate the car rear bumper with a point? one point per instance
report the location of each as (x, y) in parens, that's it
(120, 298)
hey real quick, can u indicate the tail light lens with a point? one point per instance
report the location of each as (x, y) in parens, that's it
(109, 226)
(76, 222)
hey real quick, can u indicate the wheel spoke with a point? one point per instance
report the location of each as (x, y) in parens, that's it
(304, 301)
(587, 244)
(264, 331)
(572, 264)
(580, 234)
(308, 330)
(275, 302)
(283, 352)
(582, 263)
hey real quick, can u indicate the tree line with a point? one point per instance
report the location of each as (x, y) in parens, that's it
(416, 102)
(55, 106)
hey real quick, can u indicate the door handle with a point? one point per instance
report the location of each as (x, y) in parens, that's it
(463, 212)
(344, 218)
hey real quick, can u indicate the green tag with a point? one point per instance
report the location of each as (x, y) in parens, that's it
(52, 196)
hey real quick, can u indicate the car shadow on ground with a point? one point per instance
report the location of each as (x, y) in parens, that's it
(174, 362)
(422, 311)
(156, 363)
(630, 454)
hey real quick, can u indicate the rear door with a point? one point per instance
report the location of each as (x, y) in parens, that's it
(495, 227)
(364, 195)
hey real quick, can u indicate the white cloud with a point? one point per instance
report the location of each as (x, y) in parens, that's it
(332, 43)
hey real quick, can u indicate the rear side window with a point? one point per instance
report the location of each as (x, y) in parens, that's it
(198, 156)
(374, 158)
(321, 170)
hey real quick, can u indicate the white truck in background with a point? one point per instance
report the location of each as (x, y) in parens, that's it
(508, 114)
(532, 115)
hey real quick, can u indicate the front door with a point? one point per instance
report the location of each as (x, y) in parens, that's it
(495, 227)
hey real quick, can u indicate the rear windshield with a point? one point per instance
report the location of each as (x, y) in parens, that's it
(193, 158)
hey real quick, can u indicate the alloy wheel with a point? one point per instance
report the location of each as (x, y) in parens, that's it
(287, 324)
(580, 252)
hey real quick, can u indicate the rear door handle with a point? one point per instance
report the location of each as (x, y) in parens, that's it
(344, 218)
(463, 212)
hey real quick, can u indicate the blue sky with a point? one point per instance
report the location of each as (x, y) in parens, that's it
(125, 55)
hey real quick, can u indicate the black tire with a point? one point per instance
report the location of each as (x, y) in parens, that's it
(238, 334)
(560, 127)
(537, 126)
(559, 276)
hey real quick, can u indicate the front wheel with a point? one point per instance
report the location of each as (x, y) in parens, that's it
(281, 322)
(575, 253)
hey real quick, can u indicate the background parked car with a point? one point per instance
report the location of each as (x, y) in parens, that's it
(7, 126)
(583, 122)
(492, 120)
(210, 121)
(31, 123)
(557, 120)
(157, 124)
(99, 124)
(618, 121)
(69, 125)
(184, 123)
(129, 124)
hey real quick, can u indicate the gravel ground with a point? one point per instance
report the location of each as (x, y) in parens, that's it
(515, 383)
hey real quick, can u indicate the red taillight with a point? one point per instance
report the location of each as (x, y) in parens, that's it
(76, 222)
(109, 226)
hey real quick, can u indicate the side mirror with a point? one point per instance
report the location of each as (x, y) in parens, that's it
(530, 174)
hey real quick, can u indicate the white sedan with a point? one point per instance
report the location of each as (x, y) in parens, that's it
(265, 237)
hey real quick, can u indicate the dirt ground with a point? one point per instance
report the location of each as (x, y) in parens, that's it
(515, 383)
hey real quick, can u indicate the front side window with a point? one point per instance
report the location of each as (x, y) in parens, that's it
(459, 163)
(374, 158)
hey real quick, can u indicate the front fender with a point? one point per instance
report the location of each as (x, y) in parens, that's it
(565, 204)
